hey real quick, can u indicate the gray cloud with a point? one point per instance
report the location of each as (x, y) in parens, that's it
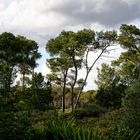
(104, 12)
(49, 17)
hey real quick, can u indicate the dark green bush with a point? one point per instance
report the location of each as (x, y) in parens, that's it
(20, 126)
(110, 121)
(89, 110)
(131, 103)
(33, 99)
(110, 97)
(14, 126)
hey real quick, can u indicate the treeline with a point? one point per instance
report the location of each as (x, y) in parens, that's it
(28, 105)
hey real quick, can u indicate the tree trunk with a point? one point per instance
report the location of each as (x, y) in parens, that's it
(81, 89)
(72, 95)
(74, 82)
(88, 71)
(63, 92)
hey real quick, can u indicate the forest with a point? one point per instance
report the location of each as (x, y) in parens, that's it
(56, 106)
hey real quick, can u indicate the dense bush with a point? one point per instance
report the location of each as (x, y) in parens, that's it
(111, 126)
(25, 126)
(131, 103)
(110, 121)
(110, 87)
(89, 110)
(14, 126)
(38, 99)
(110, 97)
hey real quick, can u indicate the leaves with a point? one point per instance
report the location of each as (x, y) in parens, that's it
(129, 37)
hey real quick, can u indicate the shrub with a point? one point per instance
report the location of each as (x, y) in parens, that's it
(89, 110)
(131, 103)
(109, 97)
(110, 122)
(29, 99)
(59, 129)
(14, 126)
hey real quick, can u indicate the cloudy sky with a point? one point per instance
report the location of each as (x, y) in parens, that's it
(43, 19)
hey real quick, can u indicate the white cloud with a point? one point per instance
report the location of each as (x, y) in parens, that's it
(47, 16)
(2, 6)
(29, 15)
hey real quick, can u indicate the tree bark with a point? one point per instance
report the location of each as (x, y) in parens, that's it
(63, 91)
(74, 82)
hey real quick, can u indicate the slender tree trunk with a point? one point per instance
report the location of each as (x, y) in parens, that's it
(63, 91)
(81, 89)
(74, 82)
(72, 96)
(87, 73)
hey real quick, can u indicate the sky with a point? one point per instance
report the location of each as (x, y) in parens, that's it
(41, 20)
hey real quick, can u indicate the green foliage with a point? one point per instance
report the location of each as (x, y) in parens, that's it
(40, 99)
(106, 75)
(109, 97)
(14, 125)
(37, 81)
(89, 110)
(59, 129)
(131, 103)
(111, 125)
(29, 113)
(110, 87)
(8, 53)
(87, 97)
(129, 37)
(127, 66)
(68, 50)
(16, 53)
(110, 122)
(105, 39)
